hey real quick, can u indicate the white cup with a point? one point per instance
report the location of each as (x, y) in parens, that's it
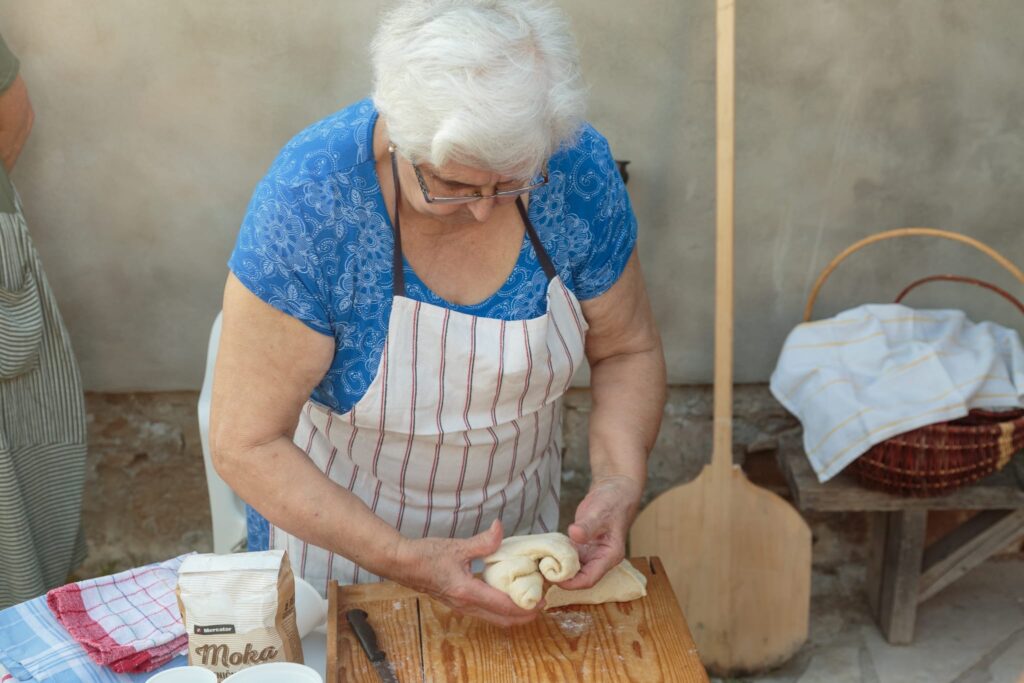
(184, 674)
(275, 672)
(310, 608)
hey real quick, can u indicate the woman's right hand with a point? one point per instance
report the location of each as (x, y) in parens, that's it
(440, 567)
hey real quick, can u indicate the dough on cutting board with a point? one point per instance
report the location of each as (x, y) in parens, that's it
(621, 584)
(521, 564)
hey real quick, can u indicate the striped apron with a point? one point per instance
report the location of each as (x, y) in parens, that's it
(42, 427)
(460, 426)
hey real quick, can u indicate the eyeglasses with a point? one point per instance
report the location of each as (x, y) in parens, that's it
(472, 196)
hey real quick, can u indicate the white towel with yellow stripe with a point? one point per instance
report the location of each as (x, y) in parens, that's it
(880, 370)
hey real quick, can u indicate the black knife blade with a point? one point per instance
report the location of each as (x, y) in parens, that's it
(360, 623)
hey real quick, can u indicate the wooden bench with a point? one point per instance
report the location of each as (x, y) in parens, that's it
(902, 572)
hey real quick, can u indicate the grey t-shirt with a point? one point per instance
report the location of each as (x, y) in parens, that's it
(8, 72)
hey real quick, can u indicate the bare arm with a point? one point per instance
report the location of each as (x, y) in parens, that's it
(627, 377)
(16, 119)
(628, 387)
(267, 366)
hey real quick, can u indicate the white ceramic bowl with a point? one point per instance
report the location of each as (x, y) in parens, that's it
(184, 674)
(275, 672)
(310, 608)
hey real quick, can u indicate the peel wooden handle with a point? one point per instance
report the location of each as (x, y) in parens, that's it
(725, 116)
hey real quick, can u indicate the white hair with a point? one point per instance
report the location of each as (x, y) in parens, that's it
(494, 84)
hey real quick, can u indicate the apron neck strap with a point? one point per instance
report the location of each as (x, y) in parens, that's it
(538, 246)
(398, 269)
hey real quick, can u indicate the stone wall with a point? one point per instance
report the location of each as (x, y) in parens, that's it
(146, 495)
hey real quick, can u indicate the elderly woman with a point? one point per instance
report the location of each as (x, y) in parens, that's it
(417, 279)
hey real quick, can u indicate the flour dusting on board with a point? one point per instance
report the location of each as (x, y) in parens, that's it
(573, 624)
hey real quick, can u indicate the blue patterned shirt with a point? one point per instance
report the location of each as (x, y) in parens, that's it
(316, 242)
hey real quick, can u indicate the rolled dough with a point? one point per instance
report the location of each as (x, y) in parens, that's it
(622, 584)
(521, 564)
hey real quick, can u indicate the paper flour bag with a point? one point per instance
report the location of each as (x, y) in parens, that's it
(238, 610)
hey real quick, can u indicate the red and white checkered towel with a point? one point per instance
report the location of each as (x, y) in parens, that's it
(129, 621)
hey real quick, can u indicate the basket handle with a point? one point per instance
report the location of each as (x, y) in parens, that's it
(906, 232)
(962, 278)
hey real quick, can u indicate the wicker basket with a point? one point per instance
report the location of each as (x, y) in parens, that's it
(938, 458)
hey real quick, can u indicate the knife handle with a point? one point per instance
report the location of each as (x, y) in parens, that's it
(357, 619)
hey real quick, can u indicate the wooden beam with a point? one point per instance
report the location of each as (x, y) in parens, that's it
(878, 527)
(901, 573)
(966, 547)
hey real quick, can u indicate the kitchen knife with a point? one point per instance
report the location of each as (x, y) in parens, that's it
(357, 619)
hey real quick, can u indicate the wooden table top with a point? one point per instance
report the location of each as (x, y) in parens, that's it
(643, 640)
(1003, 490)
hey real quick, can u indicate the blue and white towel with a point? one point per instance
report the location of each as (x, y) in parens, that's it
(35, 647)
(880, 370)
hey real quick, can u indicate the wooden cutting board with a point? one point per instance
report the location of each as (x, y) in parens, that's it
(643, 640)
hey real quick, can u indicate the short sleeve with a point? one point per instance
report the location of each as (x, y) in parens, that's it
(276, 258)
(612, 223)
(8, 66)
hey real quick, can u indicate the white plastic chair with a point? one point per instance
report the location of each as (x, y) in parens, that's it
(226, 509)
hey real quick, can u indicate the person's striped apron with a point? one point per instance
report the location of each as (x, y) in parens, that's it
(460, 426)
(42, 427)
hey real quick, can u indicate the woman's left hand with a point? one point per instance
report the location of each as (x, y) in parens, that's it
(602, 522)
